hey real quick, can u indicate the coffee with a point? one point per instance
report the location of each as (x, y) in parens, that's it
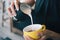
(31, 30)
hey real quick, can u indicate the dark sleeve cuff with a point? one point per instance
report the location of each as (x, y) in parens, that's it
(21, 16)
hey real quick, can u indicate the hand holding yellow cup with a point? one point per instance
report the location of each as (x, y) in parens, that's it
(32, 30)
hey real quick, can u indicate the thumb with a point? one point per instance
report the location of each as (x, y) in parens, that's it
(43, 38)
(27, 38)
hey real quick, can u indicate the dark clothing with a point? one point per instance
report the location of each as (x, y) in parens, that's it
(46, 12)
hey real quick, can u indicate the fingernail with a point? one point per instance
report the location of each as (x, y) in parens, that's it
(43, 38)
(15, 15)
(14, 18)
(17, 9)
(14, 0)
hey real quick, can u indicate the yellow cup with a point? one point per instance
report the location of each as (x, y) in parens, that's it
(32, 30)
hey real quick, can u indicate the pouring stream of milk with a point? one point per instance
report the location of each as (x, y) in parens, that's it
(31, 18)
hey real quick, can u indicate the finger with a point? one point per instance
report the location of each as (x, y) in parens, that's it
(12, 9)
(43, 38)
(16, 4)
(40, 34)
(9, 12)
(27, 38)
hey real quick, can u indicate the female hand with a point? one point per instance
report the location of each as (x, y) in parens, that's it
(11, 9)
(40, 34)
(29, 38)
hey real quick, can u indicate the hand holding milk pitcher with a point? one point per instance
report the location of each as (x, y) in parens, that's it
(25, 7)
(19, 4)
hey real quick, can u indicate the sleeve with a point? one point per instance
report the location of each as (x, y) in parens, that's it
(23, 20)
(20, 16)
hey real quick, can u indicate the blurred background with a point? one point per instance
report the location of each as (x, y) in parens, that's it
(5, 31)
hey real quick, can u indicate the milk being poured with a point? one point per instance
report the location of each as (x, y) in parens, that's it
(27, 10)
(31, 18)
